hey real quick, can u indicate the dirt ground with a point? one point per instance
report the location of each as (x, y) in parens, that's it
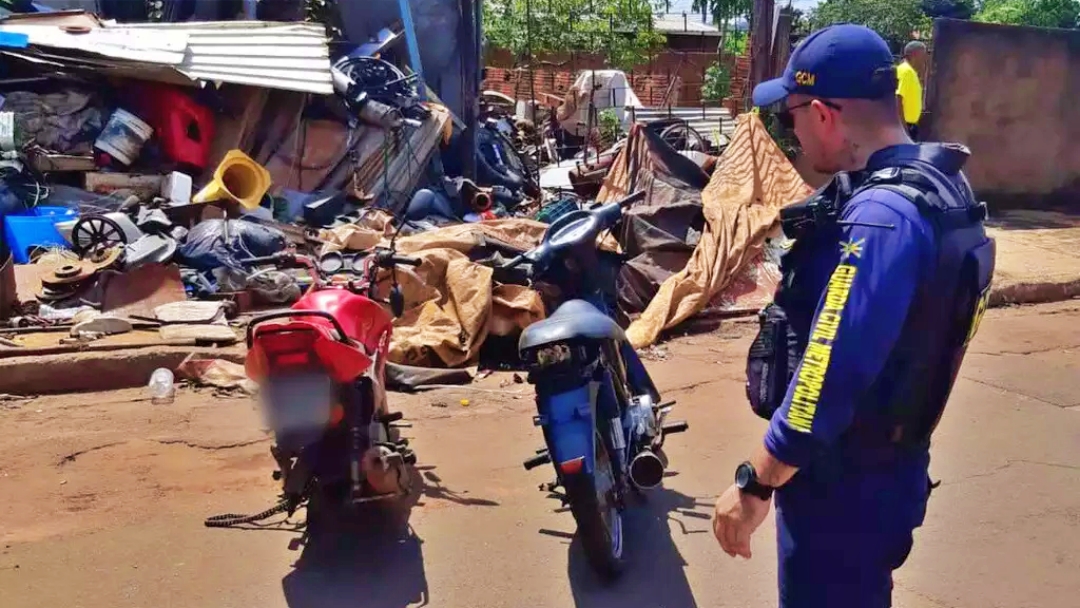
(104, 496)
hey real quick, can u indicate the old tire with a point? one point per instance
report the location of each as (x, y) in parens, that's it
(599, 520)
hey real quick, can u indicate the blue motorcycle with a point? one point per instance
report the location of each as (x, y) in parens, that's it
(600, 413)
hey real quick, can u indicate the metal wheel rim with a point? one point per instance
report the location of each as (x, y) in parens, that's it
(692, 139)
(94, 231)
(604, 496)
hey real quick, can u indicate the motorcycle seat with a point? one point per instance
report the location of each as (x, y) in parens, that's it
(573, 319)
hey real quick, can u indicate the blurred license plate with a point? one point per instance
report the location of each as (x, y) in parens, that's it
(297, 402)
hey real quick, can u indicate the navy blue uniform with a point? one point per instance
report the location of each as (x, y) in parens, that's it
(865, 381)
(845, 520)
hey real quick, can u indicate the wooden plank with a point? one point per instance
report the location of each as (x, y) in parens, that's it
(145, 187)
(89, 347)
(202, 333)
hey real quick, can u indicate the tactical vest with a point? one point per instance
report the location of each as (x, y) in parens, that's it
(943, 316)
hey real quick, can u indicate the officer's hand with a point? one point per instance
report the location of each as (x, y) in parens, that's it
(736, 518)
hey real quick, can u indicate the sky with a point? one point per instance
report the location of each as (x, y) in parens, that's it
(679, 6)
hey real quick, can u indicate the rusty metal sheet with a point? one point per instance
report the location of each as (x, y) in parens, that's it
(136, 293)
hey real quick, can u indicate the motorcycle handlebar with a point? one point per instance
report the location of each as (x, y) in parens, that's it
(266, 259)
(399, 260)
(633, 198)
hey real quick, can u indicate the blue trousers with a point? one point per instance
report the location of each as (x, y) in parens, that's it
(830, 567)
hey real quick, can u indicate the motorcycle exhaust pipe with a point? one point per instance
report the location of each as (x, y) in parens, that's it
(481, 202)
(646, 470)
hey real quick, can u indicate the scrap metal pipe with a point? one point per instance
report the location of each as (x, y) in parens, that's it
(470, 89)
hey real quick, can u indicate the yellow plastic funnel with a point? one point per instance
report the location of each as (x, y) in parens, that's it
(237, 178)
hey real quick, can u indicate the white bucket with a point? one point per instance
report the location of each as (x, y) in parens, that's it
(123, 136)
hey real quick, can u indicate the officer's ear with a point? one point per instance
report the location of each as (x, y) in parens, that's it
(823, 113)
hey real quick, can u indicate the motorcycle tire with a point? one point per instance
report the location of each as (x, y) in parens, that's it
(599, 522)
(317, 521)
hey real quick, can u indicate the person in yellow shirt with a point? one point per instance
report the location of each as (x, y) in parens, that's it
(909, 89)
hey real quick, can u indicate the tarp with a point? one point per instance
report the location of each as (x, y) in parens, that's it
(599, 90)
(659, 234)
(451, 302)
(741, 203)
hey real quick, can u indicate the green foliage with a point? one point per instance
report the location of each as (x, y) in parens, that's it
(717, 83)
(1038, 13)
(724, 14)
(895, 20)
(950, 9)
(609, 125)
(736, 43)
(620, 29)
(724, 11)
(800, 23)
(785, 138)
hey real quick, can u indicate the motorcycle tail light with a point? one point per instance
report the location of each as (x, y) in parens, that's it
(274, 350)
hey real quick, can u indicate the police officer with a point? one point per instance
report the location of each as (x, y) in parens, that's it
(885, 284)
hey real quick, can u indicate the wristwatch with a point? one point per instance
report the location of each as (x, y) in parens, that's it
(746, 480)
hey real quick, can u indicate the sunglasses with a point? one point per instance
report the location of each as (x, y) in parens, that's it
(787, 120)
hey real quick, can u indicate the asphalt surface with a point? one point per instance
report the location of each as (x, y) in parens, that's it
(104, 497)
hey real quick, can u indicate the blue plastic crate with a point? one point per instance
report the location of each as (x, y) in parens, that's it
(60, 213)
(25, 232)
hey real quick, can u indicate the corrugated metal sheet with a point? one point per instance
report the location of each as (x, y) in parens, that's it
(289, 56)
(677, 24)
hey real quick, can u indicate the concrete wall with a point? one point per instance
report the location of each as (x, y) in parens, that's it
(1011, 94)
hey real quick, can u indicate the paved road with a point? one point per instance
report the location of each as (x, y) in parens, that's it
(104, 497)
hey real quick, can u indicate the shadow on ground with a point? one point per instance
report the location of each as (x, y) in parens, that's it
(655, 572)
(1030, 219)
(371, 559)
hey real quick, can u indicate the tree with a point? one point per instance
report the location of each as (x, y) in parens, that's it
(1038, 13)
(619, 29)
(951, 9)
(896, 20)
(725, 13)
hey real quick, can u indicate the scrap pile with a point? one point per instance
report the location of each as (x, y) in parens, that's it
(142, 163)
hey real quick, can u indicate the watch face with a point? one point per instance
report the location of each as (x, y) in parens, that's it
(743, 475)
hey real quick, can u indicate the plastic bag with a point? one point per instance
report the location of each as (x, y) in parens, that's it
(215, 244)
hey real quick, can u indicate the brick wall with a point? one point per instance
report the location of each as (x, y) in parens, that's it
(554, 74)
(739, 80)
(651, 89)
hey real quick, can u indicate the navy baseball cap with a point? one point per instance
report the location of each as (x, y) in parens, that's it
(844, 61)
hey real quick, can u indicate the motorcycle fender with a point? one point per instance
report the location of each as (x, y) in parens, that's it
(569, 428)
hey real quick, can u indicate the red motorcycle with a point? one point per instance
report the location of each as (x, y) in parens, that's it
(321, 371)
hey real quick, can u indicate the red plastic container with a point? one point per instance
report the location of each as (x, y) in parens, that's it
(184, 127)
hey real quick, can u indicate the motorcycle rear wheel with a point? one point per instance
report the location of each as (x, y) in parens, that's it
(598, 517)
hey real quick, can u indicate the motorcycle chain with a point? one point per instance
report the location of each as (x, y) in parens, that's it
(229, 520)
